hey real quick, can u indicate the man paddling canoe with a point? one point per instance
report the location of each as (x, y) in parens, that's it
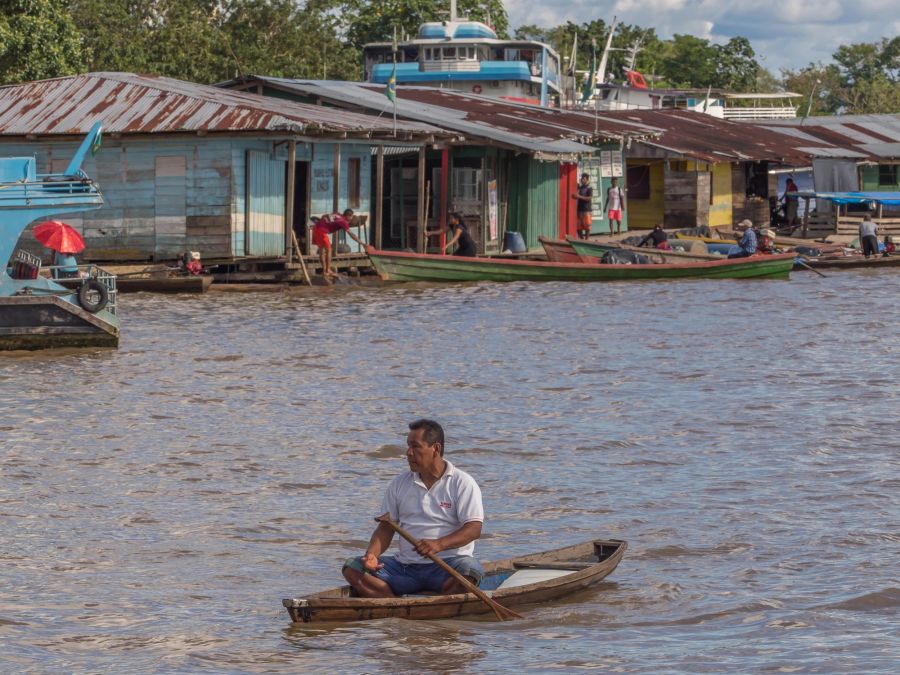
(440, 506)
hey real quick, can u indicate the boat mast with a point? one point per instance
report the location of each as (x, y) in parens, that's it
(601, 71)
(452, 10)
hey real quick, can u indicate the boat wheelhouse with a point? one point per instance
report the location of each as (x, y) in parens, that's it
(37, 312)
(468, 56)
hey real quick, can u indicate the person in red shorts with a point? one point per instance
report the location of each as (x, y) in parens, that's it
(325, 226)
(615, 205)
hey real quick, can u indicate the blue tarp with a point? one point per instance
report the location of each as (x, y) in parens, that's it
(890, 198)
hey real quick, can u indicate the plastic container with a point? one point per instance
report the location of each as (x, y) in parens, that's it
(513, 242)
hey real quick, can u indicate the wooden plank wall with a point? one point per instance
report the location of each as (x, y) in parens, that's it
(686, 201)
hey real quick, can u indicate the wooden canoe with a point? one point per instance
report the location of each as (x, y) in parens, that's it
(560, 250)
(852, 262)
(526, 579)
(398, 266)
(588, 249)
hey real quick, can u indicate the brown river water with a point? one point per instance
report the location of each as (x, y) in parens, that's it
(158, 501)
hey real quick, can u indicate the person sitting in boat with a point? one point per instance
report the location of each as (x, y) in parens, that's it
(325, 226)
(766, 242)
(659, 238)
(889, 247)
(193, 266)
(65, 266)
(747, 244)
(441, 507)
(459, 235)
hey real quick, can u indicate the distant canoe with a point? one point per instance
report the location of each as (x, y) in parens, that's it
(559, 250)
(588, 249)
(397, 266)
(526, 579)
(157, 284)
(853, 262)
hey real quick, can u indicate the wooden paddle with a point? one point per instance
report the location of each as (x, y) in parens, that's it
(502, 612)
(809, 267)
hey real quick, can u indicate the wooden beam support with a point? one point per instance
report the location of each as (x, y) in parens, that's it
(445, 182)
(289, 205)
(336, 185)
(379, 196)
(420, 233)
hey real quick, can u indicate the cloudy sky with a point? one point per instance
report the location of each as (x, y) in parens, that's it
(784, 33)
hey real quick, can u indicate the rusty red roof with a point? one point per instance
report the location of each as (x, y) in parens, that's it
(147, 104)
(712, 139)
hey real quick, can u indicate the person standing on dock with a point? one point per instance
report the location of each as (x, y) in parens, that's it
(868, 236)
(441, 507)
(584, 195)
(791, 204)
(325, 226)
(615, 205)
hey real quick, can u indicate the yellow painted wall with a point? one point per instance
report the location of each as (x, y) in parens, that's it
(643, 214)
(720, 208)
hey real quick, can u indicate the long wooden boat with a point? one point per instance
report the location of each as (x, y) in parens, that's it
(151, 284)
(398, 266)
(521, 580)
(588, 250)
(852, 262)
(560, 250)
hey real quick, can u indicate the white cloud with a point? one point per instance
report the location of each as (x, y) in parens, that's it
(784, 34)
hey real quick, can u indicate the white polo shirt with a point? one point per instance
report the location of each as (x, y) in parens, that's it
(453, 501)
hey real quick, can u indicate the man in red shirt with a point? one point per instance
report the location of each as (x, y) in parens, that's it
(326, 225)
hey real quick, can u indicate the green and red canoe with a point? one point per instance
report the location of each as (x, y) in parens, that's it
(398, 266)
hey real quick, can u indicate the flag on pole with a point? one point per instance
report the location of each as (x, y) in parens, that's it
(588, 89)
(391, 89)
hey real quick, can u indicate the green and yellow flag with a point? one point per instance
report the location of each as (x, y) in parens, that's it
(391, 89)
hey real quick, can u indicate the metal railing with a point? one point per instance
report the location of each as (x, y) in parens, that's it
(764, 113)
(63, 274)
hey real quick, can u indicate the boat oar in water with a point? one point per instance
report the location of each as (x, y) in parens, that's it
(809, 267)
(502, 612)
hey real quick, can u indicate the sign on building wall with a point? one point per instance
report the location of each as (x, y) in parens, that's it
(492, 209)
(610, 163)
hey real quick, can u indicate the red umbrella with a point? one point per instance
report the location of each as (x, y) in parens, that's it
(59, 236)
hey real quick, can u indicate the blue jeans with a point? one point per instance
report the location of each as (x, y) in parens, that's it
(407, 579)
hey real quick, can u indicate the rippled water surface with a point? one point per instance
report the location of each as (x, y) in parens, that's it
(157, 502)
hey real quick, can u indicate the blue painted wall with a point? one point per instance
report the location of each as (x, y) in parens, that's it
(165, 196)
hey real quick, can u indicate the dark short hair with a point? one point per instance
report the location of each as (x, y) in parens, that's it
(459, 217)
(347, 213)
(585, 175)
(432, 432)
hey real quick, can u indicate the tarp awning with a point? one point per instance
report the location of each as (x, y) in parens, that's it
(892, 198)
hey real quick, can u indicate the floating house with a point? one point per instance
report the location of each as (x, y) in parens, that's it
(512, 167)
(848, 153)
(192, 167)
(700, 170)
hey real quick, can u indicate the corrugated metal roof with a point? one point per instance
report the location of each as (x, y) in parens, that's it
(870, 137)
(547, 133)
(145, 104)
(552, 131)
(708, 138)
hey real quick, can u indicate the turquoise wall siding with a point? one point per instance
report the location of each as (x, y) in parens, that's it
(265, 204)
(601, 184)
(166, 196)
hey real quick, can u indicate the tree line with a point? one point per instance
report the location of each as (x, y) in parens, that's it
(214, 40)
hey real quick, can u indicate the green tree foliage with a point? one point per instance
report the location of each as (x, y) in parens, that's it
(865, 78)
(38, 40)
